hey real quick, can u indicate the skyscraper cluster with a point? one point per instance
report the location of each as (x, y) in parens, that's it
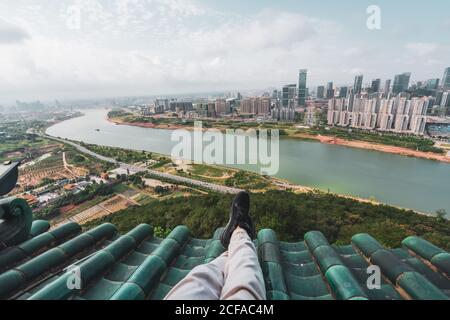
(398, 114)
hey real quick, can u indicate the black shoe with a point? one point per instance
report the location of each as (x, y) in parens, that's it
(239, 217)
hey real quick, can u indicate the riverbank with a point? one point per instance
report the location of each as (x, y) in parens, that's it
(374, 146)
(320, 138)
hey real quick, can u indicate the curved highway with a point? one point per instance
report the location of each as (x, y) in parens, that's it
(162, 175)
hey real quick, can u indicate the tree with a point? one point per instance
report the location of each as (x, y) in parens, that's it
(441, 213)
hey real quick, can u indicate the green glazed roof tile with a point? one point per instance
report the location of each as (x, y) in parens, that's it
(135, 258)
(103, 290)
(300, 297)
(401, 253)
(297, 257)
(213, 250)
(301, 270)
(174, 275)
(269, 251)
(10, 257)
(194, 251)
(180, 234)
(149, 273)
(345, 250)
(355, 261)
(442, 262)
(438, 280)
(267, 235)
(311, 287)
(390, 265)
(168, 250)
(366, 244)
(422, 247)
(277, 295)
(274, 277)
(326, 257)
(141, 232)
(160, 292)
(16, 220)
(146, 247)
(418, 265)
(65, 231)
(38, 227)
(315, 239)
(386, 292)
(188, 263)
(343, 283)
(419, 288)
(293, 247)
(140, 266)
(120, 272)
(129, 291)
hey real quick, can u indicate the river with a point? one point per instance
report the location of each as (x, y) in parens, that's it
(419, 184)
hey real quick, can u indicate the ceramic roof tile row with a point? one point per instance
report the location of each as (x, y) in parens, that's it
(138, 265)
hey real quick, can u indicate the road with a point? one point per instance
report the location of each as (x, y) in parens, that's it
(133, 168)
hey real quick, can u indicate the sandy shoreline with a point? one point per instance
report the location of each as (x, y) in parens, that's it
(323, 139)
(376, 147)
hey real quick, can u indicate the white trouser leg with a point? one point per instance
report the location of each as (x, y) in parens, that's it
(243, 275)
(204, 282)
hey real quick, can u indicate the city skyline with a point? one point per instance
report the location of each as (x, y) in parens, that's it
(208, 46)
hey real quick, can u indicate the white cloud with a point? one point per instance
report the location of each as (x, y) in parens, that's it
(422, 48)
(139, 47)
(11, 33)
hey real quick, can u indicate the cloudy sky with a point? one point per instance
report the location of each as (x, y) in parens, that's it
(70, 49)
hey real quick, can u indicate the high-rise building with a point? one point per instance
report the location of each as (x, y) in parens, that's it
(387, 86)
(275, 94)
(376, 85)
(222, 107)
(357, 87)
(320, 92)
(446, 79)
(178, 106)
(283, 114)
(432, 84)
(302, 91)
(258, 106)
(288, 96)
(343, 92)
(445, 100)
(330, 90)
(162, 103)
(401, 83)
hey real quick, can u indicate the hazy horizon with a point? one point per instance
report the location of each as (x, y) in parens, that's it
(94, 49)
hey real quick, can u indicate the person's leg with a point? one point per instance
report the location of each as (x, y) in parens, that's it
(243, 275)
(204, 282)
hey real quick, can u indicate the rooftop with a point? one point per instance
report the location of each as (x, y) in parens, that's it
(139, 265)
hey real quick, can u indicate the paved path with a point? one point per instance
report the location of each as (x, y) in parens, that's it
(168, 176)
